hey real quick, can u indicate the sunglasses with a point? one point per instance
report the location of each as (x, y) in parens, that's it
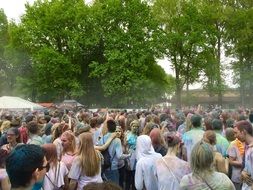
(46, 166)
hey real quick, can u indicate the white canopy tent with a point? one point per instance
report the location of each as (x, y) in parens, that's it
(12, 103)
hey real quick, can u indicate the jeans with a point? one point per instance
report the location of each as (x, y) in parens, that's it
(238, 186)
(121, 176)
(112, 175)
(130, 182)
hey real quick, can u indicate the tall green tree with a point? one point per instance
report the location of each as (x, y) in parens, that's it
(103, 54)
(129, 50)
(182, 39)
(49, 33)
(3, 62)
(239, 37)
(214, 18)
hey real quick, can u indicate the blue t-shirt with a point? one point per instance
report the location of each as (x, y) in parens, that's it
(114, 149)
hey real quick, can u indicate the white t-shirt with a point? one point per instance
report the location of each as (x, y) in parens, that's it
(68, 159)
(57, 142)
(82, 180)
(145, 173)
(52, 174)
(216, 180)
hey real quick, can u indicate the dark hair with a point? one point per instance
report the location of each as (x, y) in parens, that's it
(171, 139)
(22, 162)
(15, 122)
(111, 125)
(242, 117)
(196, 120)
(164, 117)
(47, 118)
(48, 129)
(33, 127)
(244, 125)
(230, 123)
(16, 132)
(8, 117)
(102, 186)
(251, 117)
(29, 118)
(217, 124)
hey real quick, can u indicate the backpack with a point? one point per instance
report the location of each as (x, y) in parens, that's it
(107, 159)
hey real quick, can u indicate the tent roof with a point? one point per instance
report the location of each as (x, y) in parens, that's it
(11, 102)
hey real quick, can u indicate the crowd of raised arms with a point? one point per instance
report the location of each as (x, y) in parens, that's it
(165, 149)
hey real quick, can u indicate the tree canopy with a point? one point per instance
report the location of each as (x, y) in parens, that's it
(101, 53)
(106, 52)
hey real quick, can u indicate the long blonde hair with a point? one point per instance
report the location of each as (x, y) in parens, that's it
(89, 158)
(56, 131)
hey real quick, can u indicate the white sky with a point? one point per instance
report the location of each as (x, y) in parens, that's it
(15, 8)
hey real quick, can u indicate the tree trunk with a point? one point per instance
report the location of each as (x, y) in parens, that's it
(178, 90)
(187, 94)
(219, 81)
(178, 97)
(241, 81)
(187, 83)
(178, 82)
(250, 103)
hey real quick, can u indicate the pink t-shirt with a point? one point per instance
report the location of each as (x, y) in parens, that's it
(3, 174)
(68, 159)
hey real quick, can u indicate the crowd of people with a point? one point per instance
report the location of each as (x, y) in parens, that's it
(188, 149)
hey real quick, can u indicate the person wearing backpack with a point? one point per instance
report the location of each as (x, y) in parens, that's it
(114, 154)
(57, 176)
(86, 167)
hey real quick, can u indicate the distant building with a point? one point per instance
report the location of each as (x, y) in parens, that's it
(70, 104)
(231, 98)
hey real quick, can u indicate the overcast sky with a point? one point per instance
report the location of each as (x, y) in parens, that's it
(14, 8)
